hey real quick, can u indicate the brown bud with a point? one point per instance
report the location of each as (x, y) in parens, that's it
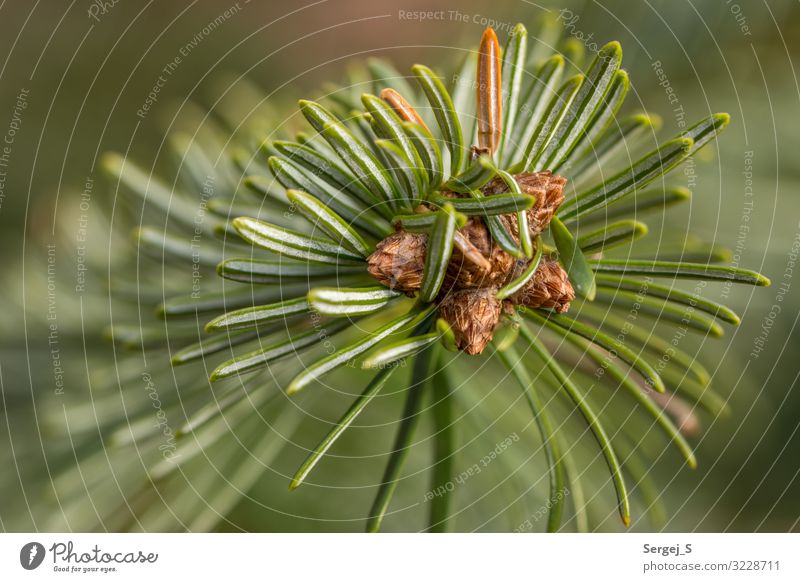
(465, 272)
(399, 261)
(489, 104)
(546, 187)
(472, 314)
(403, 108)
(549, 287)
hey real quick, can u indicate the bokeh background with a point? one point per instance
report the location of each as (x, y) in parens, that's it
(74, 75)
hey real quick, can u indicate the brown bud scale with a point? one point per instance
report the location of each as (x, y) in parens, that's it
(548, 288)
(472, 314)
(398, 261)
(546, 187)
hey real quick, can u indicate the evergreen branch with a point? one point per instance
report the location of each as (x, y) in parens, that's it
(402, 443)
(679, 270)
(343, 424)
(591, 420)
(552, 450)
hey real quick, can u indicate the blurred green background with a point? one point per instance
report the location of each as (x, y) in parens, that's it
(75, 74)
